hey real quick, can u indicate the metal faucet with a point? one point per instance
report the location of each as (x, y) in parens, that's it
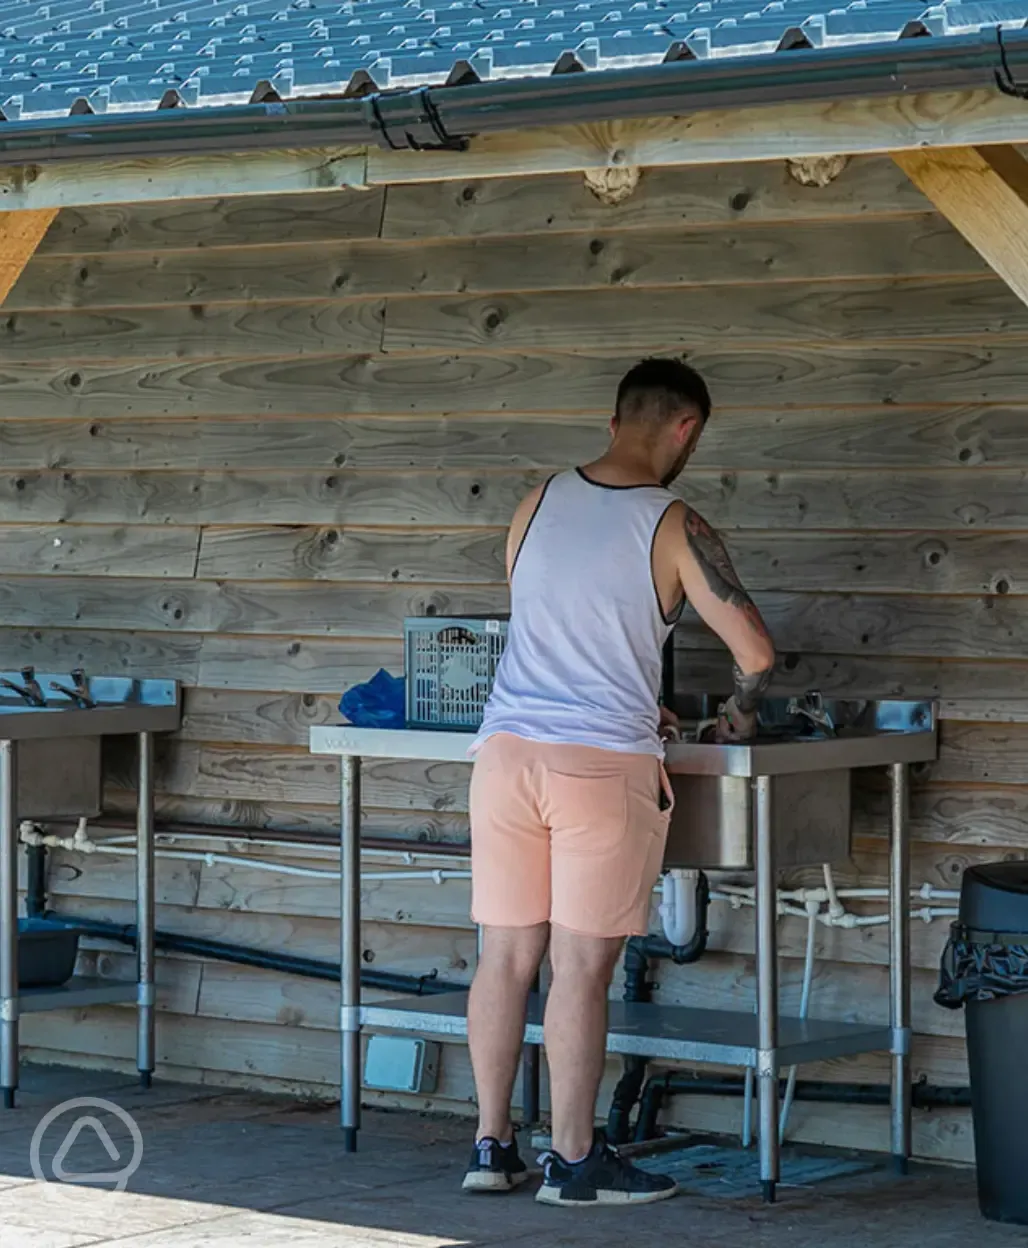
(80, 693)
(30, 691)
(813, 708)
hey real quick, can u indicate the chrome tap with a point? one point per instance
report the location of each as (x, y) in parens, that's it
(813, 708)
(30, 691)
(80, 693)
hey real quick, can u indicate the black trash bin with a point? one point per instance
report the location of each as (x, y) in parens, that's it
(985, 969)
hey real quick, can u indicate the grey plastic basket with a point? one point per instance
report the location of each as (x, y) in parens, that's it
(450, 663)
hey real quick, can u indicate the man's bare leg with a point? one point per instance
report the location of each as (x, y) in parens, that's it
(576, 1034)
(497, 1003)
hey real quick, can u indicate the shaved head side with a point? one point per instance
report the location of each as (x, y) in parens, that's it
(657, 391)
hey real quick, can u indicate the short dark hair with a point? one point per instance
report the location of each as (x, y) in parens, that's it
(656, 390)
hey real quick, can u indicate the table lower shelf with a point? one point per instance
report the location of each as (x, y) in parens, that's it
(78, 991)
(673, 1032)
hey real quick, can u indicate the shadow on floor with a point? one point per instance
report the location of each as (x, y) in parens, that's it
(222, 1168)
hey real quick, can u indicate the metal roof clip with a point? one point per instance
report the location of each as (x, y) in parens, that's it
(1005, 79)
(423, 131)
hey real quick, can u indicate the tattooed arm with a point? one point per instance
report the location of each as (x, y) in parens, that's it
(711, 585)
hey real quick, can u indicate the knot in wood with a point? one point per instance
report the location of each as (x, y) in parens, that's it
(932, 552)
(816, 170)
(613, 184)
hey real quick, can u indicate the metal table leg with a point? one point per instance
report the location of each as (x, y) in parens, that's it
(767, 988)
(350, 949)
(146, 994)
(8, 924)
(899, 964)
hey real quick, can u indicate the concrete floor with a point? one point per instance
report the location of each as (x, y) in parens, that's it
(225, 1168)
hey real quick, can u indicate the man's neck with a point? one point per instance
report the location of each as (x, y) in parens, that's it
(623, 466)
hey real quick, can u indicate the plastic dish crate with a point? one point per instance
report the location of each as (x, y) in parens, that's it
(449, 666)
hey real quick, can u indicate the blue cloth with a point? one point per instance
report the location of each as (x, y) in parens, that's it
(378, 703)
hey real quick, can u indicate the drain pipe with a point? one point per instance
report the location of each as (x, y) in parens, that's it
(660, 1088)
(244, 955)
(692, 949)
(35, 882)
(639, 951)
(629, 1087)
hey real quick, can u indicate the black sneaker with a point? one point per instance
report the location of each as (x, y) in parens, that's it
(494, 1167)
(601, 1178)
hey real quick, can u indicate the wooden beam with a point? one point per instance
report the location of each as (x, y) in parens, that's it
(76, 183)
(983, 191)
(727, 136)
(20, 235)
(778, 132)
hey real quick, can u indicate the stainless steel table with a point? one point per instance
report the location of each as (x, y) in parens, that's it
(121, 706)
(763, 1042)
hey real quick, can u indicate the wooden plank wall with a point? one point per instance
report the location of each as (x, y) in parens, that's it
(241, 441)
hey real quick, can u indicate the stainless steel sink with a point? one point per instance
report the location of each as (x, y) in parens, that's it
(58, 765)
(50, 732)
(712, 823)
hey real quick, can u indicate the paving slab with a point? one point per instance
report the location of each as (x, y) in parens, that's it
(267, 1229)
(229, 1168)
(100, 1215)
(42, 1089)
(12, 1236)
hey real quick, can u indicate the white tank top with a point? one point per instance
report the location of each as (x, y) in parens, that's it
(583, 660)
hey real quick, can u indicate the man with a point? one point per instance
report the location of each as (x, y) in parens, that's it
(569, 800)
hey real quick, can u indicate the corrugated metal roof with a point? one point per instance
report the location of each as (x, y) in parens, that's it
(61, 57)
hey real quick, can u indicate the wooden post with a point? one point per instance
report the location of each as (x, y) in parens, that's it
(20, 235)
(983, 192)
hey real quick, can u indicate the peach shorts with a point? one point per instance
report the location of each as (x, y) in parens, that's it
(566, 834)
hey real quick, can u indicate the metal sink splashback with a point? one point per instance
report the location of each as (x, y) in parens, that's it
(61, 778)
(812, 765)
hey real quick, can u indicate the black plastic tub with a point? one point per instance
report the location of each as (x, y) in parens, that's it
(46, 953)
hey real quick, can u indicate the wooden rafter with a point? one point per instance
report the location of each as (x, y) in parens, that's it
(983, 192)
(718, 136)
(80, 183)
(20, 235)
(723, 136)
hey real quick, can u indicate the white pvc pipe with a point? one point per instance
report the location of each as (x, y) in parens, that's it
(679, 895)
(438, 875)
(318, 848)
(835, 907)
(678, 909)
(808, 979)
(81, 841)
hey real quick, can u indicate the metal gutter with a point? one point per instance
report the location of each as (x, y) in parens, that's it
(950, 63)
(434, 117)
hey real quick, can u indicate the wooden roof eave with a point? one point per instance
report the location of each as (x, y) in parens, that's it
(721, 136)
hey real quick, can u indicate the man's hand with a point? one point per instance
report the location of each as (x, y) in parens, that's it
(734, 726)
(670, 725)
